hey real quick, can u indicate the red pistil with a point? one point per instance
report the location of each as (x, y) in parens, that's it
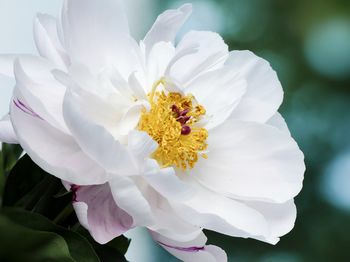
(185, 130)
(175, 109)
(184, 112)
(182, 118)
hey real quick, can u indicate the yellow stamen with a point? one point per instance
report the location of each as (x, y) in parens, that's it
(162, 123)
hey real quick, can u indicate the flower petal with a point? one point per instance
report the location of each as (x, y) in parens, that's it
(167, 25)
(211, 54)
(98, 212)
(252, 161)
(7, 63)
(209, 210)
(169, 185)
(167, 222)
(41, 91)
(158, 60)
(225, 85)
(54, 151)
(95, 139)
(216, 212)
(47, 40)
(7, 134)
(129, 198)
(131, 118)
(96, 34)
(163, 180)
(191, 251)
(136, 88)
(109, 104)
(264, 91)
(278, 121)
(141, 145)
(280, 218)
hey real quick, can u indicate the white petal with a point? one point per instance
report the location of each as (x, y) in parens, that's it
(99, 101)
(41, 91)
(7, 134)
(136, 87)
(280, 218)
(7, 63)
(52, 150)
(211, 54)
(158, 60)
(97, 35)
(191, 251)
(141, 145)
(121, 84)
(131, 117)
(252, 161)
(278, 121)
(47, 41)
(167, 25)
(81, 79)
(98, 104)
(219, 91)
(98, 212)
(96, 140)
(97, 19)
(163, 180)
(264, 91)
(167, 222)
(129, 198)
(221, 214)
(81, 210)
(169, 185)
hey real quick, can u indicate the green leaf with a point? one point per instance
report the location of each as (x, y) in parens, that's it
(19, 243)
(121, 244)
(2, 176)
(31, 188)
(9, 154)
(113, 251)
(27, 236)
(23, 178)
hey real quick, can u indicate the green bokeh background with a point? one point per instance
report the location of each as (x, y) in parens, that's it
(308, 44)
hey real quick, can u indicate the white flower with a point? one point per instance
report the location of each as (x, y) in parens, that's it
(176, 138)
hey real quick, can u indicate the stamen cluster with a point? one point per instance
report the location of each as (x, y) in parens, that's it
(172, 122)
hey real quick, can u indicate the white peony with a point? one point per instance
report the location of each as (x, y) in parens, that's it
(173, 137)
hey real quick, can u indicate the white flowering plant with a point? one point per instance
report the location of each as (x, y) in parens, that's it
(176, 137)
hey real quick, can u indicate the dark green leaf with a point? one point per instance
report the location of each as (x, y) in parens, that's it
(120, 243)
(23, 178)
(62, 193)
(32, 237)
(113, 251)
(19, 243)
(9, 154)
(31, 188)
(2, 176)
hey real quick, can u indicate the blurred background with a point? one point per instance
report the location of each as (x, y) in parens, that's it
(308, 44)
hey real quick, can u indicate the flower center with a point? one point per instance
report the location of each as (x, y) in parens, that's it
(172, 122)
